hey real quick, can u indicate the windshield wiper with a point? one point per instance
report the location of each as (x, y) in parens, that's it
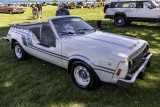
(66, 33)
(86, 29)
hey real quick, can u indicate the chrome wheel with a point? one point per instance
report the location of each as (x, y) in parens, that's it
(18, 52)
(120, 21)
(82, 75)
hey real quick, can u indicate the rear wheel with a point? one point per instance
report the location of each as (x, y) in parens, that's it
(19, 51)
(120, 21)
(83, 76)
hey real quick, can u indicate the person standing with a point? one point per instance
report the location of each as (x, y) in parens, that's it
(40, 14)
(62, 11)
(34, 10)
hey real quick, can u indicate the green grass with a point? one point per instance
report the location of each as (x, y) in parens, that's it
(34, 82)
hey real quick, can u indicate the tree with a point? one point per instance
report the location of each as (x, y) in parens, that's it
(104, 0)
(29, 0)
(55, 1)
(99, 0)
(86, 0)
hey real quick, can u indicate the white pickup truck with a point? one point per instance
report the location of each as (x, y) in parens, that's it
(125, 11)
(90, 56)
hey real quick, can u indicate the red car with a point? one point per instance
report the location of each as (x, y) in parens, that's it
(11, 9)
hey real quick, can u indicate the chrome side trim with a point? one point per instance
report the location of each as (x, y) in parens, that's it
(127, 83)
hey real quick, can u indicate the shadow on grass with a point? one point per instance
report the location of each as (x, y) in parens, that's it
(30, 18)
(34, 82)
(4, 31)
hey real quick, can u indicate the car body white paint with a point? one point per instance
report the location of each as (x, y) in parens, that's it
(104, 52)
(139, 13)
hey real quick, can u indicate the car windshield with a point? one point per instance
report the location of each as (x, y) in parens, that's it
(155, 4)
(71, 26)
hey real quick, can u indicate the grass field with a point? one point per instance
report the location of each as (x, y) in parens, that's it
(35, 83)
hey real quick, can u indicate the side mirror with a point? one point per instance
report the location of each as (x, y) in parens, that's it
(150, 6)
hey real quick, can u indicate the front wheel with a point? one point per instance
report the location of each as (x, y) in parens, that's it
(83, 76)
(19, 52)
(120, 21)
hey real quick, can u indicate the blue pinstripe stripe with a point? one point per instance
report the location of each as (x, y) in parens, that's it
(93, 63)
(58, 55)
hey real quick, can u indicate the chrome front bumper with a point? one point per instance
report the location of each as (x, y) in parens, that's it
(128, 83)
(19, 10)
(6, 39)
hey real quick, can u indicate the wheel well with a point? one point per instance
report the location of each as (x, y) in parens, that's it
(12, 43)
(119, 15)
(71, 62)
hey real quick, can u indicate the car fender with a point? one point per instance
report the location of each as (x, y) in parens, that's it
(18, 35)
(82, 57)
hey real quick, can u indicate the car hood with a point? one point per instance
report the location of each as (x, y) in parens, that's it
(109, 40)
(112, 44)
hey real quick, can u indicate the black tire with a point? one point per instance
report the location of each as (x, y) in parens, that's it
(120, 21)
(23, 54)
(93, 81)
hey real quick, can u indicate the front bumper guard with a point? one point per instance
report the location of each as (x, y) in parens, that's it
(6, 39)
(128, 83)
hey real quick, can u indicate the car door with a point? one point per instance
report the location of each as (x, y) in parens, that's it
(129, 8)
(2, 9)
(48, 47)
(144, 12)
(158, 13)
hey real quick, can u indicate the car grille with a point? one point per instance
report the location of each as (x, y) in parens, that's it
(137, 59)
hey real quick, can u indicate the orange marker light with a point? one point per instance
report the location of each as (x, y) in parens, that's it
(118, 73)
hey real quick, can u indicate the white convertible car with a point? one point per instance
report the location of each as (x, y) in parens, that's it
(90, 56)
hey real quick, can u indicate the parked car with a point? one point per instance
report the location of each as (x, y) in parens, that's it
(44, 4)
(69, 5)
(90, 56)
(54, 4)
(98, 4)
(79, 5)
(124, 12)
(7, 8)
(92, 5)
(24, 4)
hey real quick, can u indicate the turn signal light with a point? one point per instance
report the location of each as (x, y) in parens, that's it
(118, 73)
